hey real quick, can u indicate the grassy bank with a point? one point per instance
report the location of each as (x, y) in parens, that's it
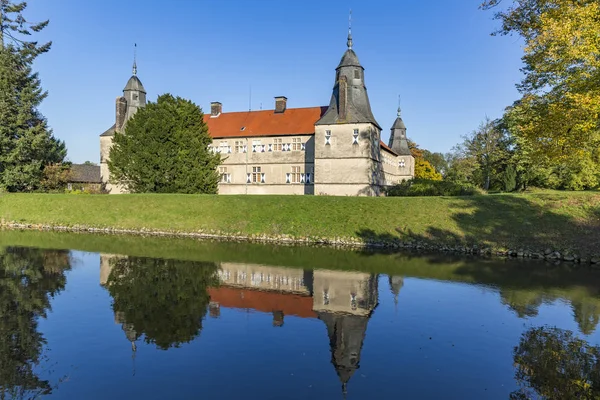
(536, 221)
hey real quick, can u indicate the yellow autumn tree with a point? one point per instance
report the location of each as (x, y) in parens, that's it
(423, 168)
(557, 117)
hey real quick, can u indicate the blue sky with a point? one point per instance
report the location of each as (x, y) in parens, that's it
(437, 54)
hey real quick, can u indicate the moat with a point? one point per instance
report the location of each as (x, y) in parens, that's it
(97, 317)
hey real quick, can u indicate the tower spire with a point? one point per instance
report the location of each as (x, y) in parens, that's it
(349, 42)
(399, 104)
(135, 59)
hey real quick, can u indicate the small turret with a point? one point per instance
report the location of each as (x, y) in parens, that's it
(398, 141)
(134, 92)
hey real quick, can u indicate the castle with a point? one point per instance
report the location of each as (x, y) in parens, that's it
(330, 150)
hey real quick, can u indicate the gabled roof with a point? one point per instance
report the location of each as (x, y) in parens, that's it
(386, 147)
(293, 121)
(84, 173)
(110, 131)
(265, 301)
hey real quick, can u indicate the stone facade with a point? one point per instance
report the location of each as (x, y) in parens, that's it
(333, 150)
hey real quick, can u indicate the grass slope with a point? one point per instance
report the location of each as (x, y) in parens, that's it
(556, 219)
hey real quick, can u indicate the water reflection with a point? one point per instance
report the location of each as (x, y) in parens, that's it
(166, 300)
(29, 278)
(555, 364)
(421, 325)
(163, 300)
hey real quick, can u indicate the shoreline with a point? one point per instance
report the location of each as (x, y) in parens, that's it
(548, 254)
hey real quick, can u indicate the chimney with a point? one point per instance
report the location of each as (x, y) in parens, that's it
(280, 104)
(216, 109)
(121, 111)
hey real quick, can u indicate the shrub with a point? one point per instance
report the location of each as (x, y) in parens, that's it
(427, 187)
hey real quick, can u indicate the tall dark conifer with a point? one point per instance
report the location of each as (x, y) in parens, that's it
(164, 149)
(26, 143)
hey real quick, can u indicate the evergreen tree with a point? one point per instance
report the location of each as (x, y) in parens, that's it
(29, 278)
(164, 300)
(509, 178)
(164, 149)
(26, 142)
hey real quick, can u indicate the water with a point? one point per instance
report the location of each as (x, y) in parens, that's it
(128, 318)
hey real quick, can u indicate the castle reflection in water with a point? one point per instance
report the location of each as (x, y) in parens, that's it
(343, 300)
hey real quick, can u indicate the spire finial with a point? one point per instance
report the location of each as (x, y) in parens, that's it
(399, 102)
(135, 59)
(349, 43)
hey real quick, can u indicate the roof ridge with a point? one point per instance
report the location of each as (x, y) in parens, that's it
(270, 109)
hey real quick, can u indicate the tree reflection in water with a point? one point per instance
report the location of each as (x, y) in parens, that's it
(553, 364)
(29, 278)
(164, 300)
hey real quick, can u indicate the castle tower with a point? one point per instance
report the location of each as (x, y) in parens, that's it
(344, 301)
(134, 97)
(399, 144)
(347, 150)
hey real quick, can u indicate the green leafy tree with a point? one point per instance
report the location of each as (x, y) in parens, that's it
(28, 280)
(556, 119)
(164, 149)
(556, 365)
(437, 160)
(26, 142)
(165, 300)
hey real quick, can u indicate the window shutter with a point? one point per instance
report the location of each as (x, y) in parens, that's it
(229, 149)
(303, 146)
(263, 147)
(327, 140)
(245, 149)
(248, 178)
(254, 148)
(270, 147)
(308, 178)
(288, 178)
(302, 180)
(262, 178)
(228, 178)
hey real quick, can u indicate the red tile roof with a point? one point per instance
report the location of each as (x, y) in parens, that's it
(294, 121)
(385, 146)
(289, 303)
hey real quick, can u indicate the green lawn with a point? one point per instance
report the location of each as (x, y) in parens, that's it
(561, 220)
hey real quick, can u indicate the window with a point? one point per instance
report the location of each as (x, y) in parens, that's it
(296, 144)
(327, 137)
(277, 144)
(224, 147)
(256, 175)
(134, 96)
(355, 137)
(295, 175)
(225, 177)
(239, 146)
(356, 74)
(401, 163)
(256, 146)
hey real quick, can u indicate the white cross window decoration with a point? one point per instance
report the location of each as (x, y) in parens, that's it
(401, 163)
(355, 137)
(327, 137)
